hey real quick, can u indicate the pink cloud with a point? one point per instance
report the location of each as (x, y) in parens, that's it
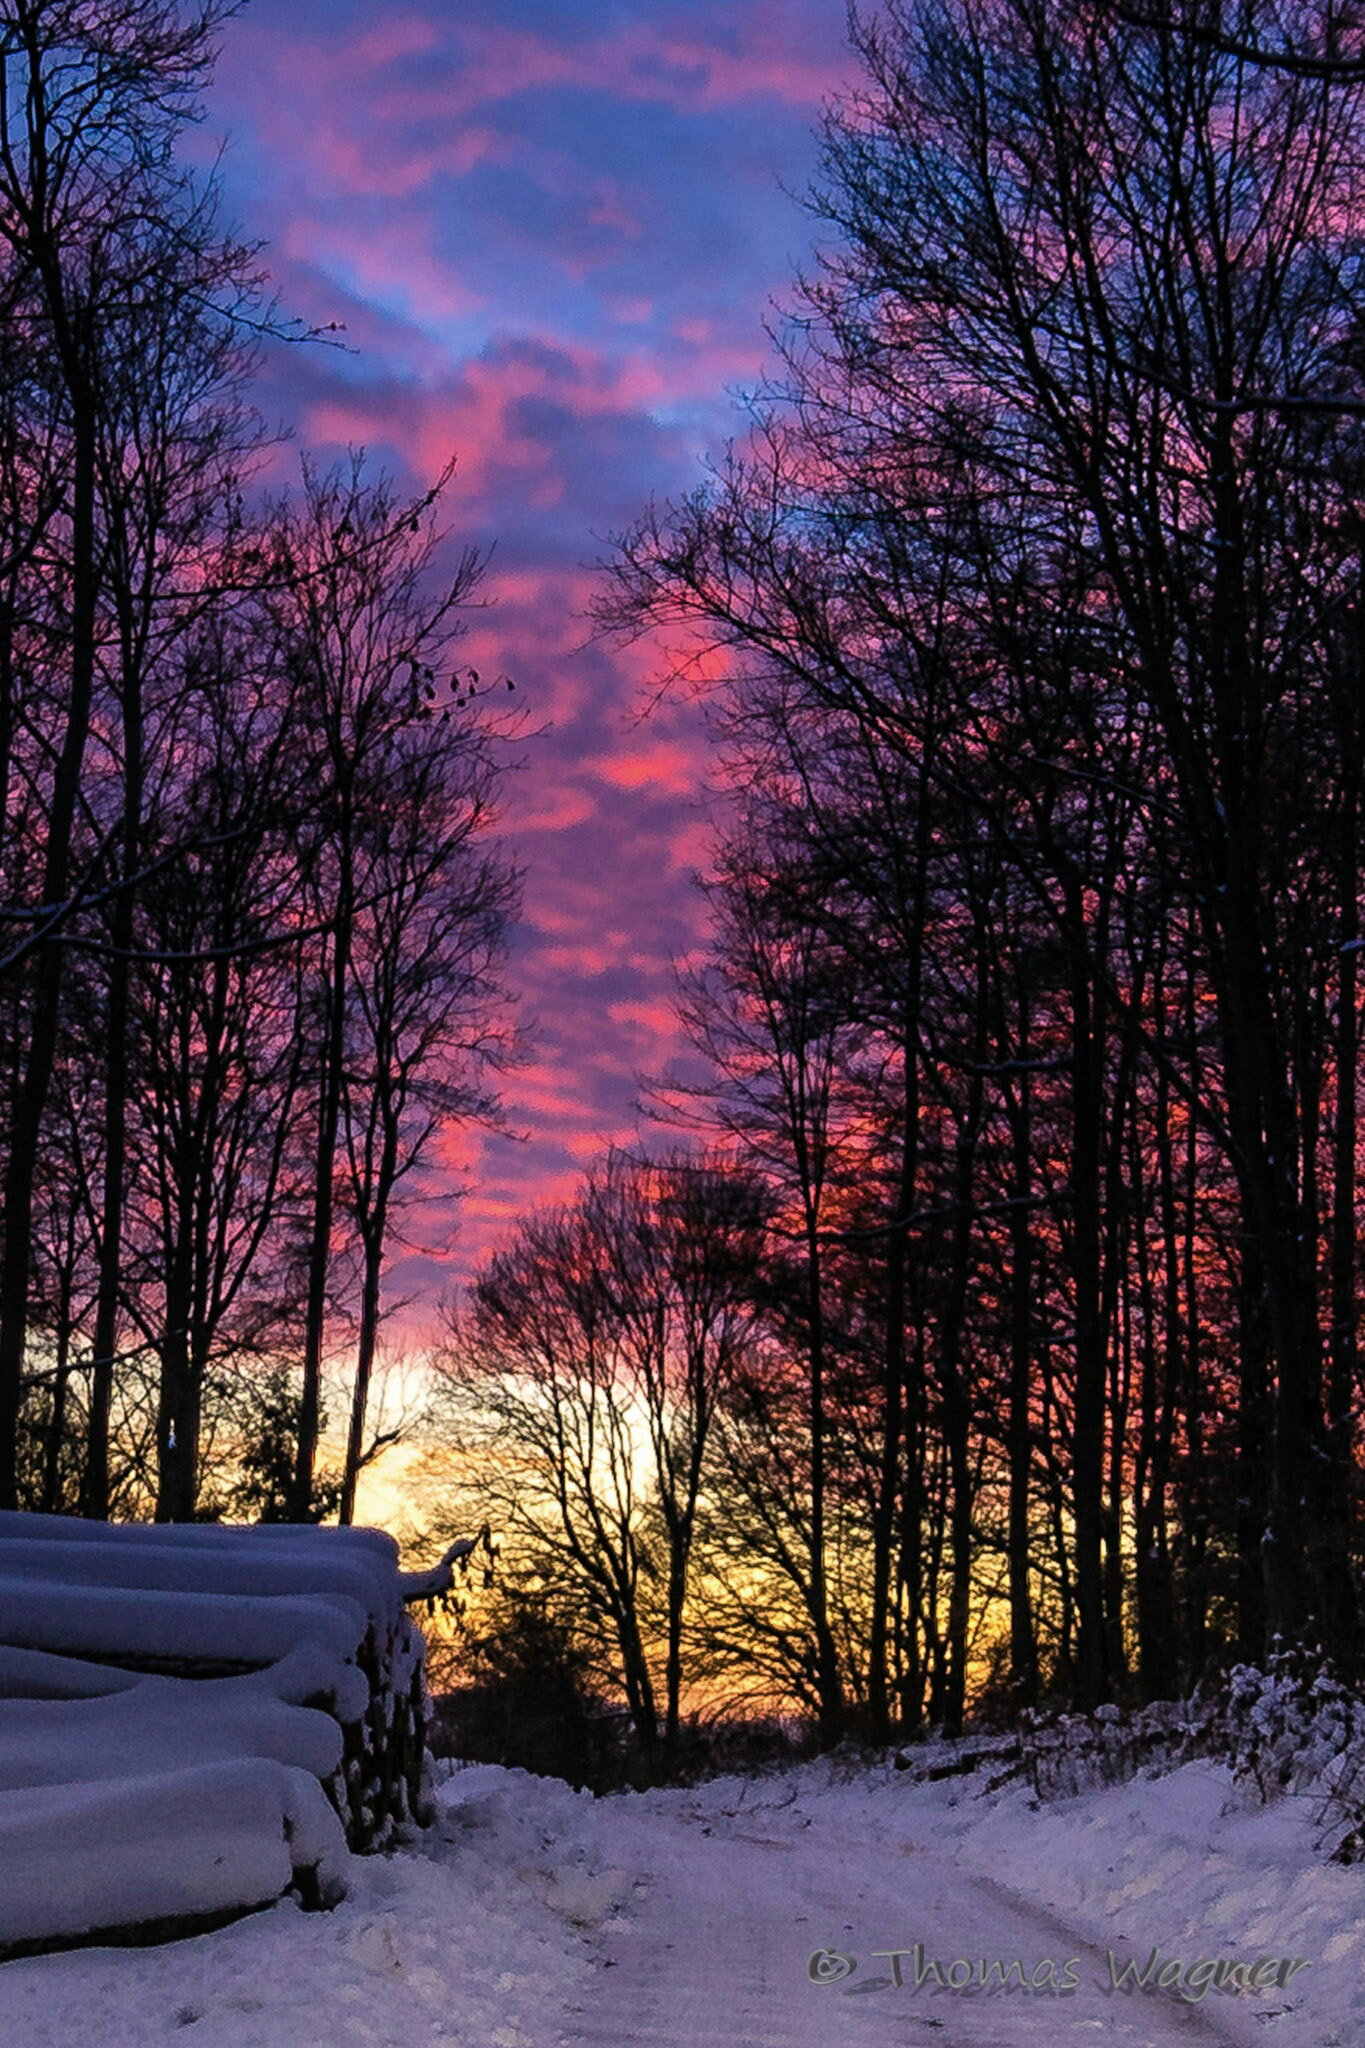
(691, 847)
(652, 1020)
(545, 1091)
(568, 915)
(355, 165)
(579, 961)
(356, 103)
(362, 137)
(590, 1146)
(552, 810)
(496, 62)
(477, 413)
(609, 210)
(640, 61)
(664, 763)
(403, 34)
(338, 134)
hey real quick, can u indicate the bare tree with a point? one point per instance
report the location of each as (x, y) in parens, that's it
(360, 630)
(1083, 348)
(427, 1020)
(95, 216)
(1130, 255)
(544, 1399)
(678, 1242)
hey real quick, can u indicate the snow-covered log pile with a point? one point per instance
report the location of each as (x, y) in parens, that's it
(194, 1718)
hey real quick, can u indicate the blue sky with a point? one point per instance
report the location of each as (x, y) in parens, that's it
(553, 233)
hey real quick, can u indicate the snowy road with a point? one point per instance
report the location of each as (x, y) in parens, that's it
(741, 1912)
(531, 1916)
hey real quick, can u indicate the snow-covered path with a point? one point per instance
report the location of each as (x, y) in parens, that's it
(741, 1911)
(534, 1917)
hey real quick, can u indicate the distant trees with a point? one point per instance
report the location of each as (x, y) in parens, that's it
(1042, 566)
(253, 916)
(582, 1389)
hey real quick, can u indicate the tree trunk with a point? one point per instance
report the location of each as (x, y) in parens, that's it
(25, 1136)
(330, 1083)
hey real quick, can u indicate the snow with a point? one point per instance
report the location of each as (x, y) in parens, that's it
(187, 1592)
(218, 1628)
(153, 1726)
(356, 1568)
(531, 1916)
(224, 1567)
(830, 1904)
(128, 1796)
(168, 1843)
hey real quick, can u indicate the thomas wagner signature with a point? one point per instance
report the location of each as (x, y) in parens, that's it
(911, 1968)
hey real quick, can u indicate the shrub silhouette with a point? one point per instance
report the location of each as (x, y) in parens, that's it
(528, 1702)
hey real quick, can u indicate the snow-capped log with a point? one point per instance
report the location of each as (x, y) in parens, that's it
(195, 1717)
(434, 1584)
(162, 1852)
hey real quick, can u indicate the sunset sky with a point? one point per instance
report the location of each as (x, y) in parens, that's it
(552, 229)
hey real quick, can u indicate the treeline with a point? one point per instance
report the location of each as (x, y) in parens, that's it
(250, 915)
(1033, 999)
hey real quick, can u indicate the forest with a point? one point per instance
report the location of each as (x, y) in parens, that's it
(986, 1332)
(1028, 619)
(253, 917)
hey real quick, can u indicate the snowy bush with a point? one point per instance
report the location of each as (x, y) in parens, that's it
(1295, 1728)
(1066, 1754)
(1292, 1728)
(1285, 1725)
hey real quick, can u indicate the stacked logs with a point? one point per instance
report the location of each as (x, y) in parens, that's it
(245, 1706)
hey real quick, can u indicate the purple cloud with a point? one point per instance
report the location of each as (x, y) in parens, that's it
(552, 232)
